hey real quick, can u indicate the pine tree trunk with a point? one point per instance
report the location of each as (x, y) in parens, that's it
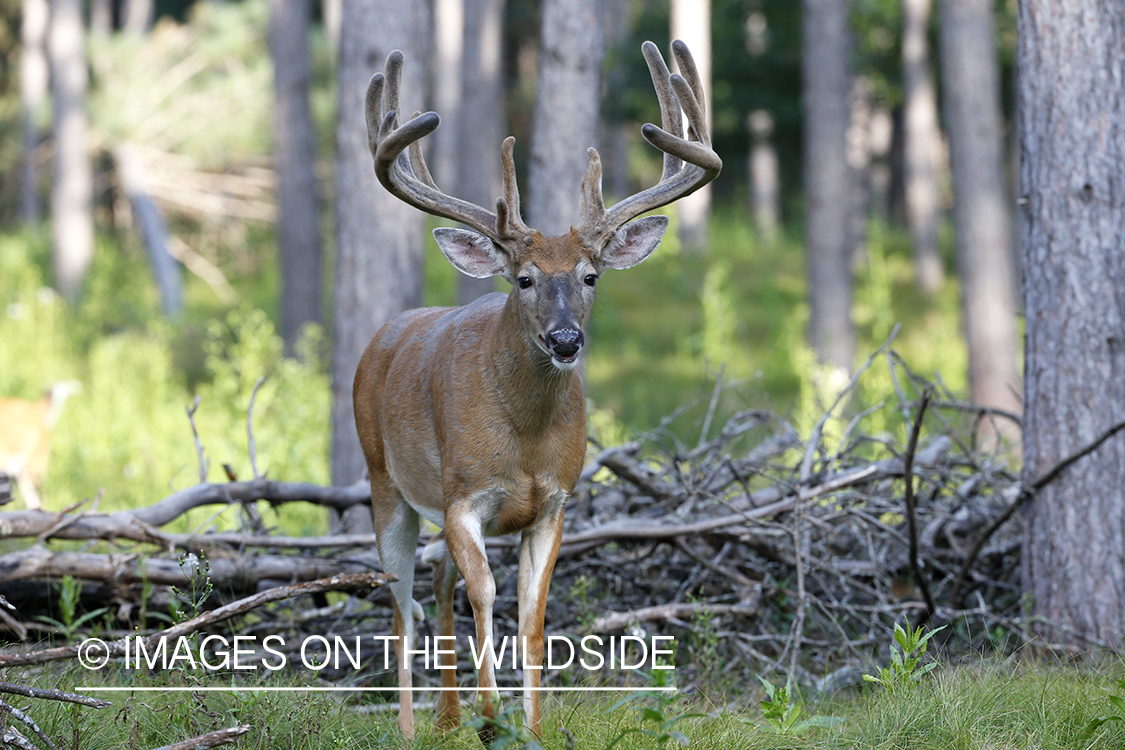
(691, 23)
(482, 118)
(1072, 155)
(565, 121)
(825, 80)
(298, 223)
(34, 18)
(72, 220)
(922, 144)
(980, 215)
(379, 238)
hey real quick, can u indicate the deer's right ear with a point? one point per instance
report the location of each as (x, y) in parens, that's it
(471, 253)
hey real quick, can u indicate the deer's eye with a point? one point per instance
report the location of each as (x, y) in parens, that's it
(524, 282)
(591, 279)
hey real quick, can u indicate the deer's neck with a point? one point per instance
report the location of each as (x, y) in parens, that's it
(536, 395)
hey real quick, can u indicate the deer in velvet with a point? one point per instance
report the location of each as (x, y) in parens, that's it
(473, 417)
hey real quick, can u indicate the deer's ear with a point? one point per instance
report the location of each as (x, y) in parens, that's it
(471, 253)
(634, 242)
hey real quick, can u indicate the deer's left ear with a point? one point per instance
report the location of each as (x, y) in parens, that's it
(634, 242)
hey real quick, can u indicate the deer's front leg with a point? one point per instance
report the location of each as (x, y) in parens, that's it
(465, 539)
(539, 548)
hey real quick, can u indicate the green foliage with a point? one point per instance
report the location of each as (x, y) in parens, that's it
(70, 593)
(1117, 702)
(782, 709)
(508, 730)
(189, 604)
(127, 432)
(906, 669)
(659, 724)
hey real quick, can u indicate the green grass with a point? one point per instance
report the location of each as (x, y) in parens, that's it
(989, 705)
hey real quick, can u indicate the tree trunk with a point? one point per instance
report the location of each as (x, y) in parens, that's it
(298, 224)
(825, 76)
(1072, 155)
(35, 16)
(980, 216)
(481, 124)
(151, 228)
(691, 22)
(765, 175)
(72, 220)
(137, 16)
(378, 238)
(565, 121)
(922, 144)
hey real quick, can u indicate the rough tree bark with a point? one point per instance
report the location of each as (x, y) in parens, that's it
(481, 127)
(294, 148)
(970, 76)
(922, 140)
(1072, 155)
(691, 22)
(565, 121)
(72, 220)
(34, 16)
(379, 238)
(824, 68)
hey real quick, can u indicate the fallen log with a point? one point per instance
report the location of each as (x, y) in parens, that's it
(233, 573)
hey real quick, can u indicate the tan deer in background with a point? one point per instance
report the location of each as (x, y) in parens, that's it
(25, 437)
(473, 417)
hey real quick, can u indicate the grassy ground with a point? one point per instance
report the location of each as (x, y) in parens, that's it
(987, 705)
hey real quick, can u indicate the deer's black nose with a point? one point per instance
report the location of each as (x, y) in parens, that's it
(565, 343)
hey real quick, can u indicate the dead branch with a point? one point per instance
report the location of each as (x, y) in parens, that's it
(52, 695)
(211, 739)
(672, 611)
(236, 573)
(360, 583)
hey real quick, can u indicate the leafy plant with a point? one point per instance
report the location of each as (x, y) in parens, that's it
(189, 604)
(70, 593)
(782, 709)
(1118, 703)
(508, 731)
(906, 669)
(658, 723)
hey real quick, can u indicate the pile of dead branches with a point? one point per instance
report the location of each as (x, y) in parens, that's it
(757, 547)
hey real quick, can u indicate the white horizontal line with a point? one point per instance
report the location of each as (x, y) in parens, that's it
(88, 689)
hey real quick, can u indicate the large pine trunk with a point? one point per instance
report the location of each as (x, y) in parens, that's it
(565, 121)
(824, 69)
(378, 237)
(72, 219)
(981, 219)
(922, 140)
(691, 23)
(294, 148)
(1072, 159)
(481, 129)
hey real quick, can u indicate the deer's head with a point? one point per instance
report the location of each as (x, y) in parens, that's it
(553, 278)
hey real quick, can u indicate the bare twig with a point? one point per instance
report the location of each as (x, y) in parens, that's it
(912, 526)
(195, 435)
(27, 721)
(251, 443)
(52, 695)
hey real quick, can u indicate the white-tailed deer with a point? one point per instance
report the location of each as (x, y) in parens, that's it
(473, 417)
(25, 437)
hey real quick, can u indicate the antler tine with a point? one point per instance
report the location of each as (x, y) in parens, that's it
(509, 223)
(405, 175)
(689, 163)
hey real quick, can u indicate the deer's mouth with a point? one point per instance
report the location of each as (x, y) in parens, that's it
(564, 345)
